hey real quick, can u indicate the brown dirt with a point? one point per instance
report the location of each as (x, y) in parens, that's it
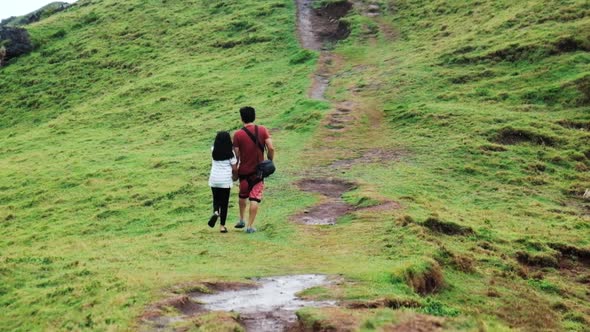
(333, 206)
(333, 188)
(539, 260)
(181, 303)
(316, 27)
(324, 214)
(447, 227)
(573, 253)
(321, 78)
(327, 24)
(417, 323)
(512, 136)
(156, 315)
(428, 281)
(339, 118)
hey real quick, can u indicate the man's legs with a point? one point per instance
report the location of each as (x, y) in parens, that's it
(243, 203)
(254, 195)
(255, 198)
(253, 212)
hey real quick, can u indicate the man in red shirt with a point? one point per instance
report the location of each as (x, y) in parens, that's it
(249, 144)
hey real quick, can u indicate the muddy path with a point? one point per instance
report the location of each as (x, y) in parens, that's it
(332, 206)
(318, 29)
(265, 305)
(270, 307)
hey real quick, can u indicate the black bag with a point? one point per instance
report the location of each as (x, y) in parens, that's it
(264, 168)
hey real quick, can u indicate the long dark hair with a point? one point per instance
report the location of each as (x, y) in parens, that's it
(222, 148)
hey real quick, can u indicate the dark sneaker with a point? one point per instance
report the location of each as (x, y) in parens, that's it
(240, 224)
(250, 230)
(213, 220)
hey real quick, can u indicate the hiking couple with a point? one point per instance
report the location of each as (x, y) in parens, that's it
(239, 160)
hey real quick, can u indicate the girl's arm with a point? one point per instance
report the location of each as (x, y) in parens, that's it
(234, 172)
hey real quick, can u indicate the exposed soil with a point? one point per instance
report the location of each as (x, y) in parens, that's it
(447, 227)
(321, 78)
(316, 27)
(333, 188)
(161, 316)
(512, 136)
(333, 206)
(427, 281)
(340, 117)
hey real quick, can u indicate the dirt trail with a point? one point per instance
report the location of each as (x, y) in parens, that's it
(318, 29)
(270, 303)
(332, 206)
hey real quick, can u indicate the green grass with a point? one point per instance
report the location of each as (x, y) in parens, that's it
(105, 131)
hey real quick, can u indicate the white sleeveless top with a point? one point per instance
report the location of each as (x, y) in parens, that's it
(221, 173)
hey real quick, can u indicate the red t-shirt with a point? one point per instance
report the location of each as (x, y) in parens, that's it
(250, 154)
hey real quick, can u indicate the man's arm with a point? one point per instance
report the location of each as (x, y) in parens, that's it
(270, 148)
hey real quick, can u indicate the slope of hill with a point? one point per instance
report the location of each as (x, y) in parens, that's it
(468, 120)
(37, 15)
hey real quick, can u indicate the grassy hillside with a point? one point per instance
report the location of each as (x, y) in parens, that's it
(491, 99)
(479, 111)
(106, 130)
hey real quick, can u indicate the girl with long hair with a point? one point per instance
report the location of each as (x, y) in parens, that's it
(224, 170)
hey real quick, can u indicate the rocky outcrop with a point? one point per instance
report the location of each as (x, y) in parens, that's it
(14, 42)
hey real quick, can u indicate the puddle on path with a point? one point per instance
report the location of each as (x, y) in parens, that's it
(272, 306)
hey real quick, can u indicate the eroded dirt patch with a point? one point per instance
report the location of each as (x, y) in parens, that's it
(332, 207)
(328, 187)
(316, 27)
(181, 307)
(513, 136)
(447, 227)
(340, 118)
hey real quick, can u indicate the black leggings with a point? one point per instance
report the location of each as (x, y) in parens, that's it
(220, 202)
